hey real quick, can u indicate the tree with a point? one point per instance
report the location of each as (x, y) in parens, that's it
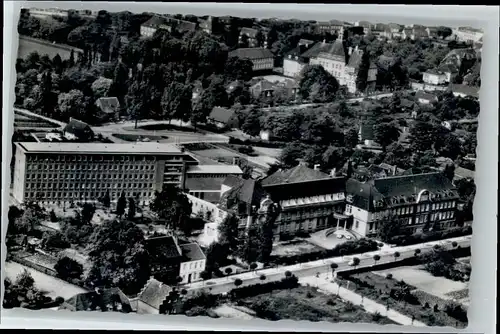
(23, 293)
(351, 138)
(362, 75)
(260, 38)
(172, 206)
(355, 261)
(253, 266)
(101, 87)
(389, 228)
(449, 171)
(386, 133)
(333, 266)
(121, 205)
(396, 255)
(238, 282)
(228, 232)
(251, 124)
(87, 213)
(272, 36)
(238, 69)
(176, 101)
(131, 208)
(106, 200)
(55, 240)
(376, 258)
(72, 104)
(119, 257)
(46, 99)
(228, 271)
(262, 277)
(291, 153)
(450, 146)
(68, 269)
(118, 87)
(317, 84)
(288, 274)
(444, 32)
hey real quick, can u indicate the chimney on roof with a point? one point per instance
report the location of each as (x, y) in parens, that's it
(356, 48)
(394, 169)
(324, 41)
(316, 167)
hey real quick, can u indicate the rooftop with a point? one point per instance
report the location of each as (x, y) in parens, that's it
(316, 49)
(163, 248)
(221, 114)
(300, 173)
(464, 89)
(154, 293)
(192, 252)
(105, 300)
(251, 53)
(251, 32)
(214, 169)
(100, 148)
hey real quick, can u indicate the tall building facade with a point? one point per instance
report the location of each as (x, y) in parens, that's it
(416, 202)
(80, 172)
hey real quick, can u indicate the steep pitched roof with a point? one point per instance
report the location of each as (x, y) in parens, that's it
(78, 128)
(232, 181)
(105, 300)
(108, 104)
(316, 49)
(154, 293)
(300, 173)
(163, 248)
(220, 114)
(251, 53)
(203, 183)
(156, 21)
(464, 89)
(303, 41)
(192, 252)
(335, 51)
(249, 191)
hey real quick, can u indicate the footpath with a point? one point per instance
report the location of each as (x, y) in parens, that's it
(369, 305)
(386, 255)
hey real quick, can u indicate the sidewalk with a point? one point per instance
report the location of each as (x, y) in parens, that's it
(369, 305)
(387, 255)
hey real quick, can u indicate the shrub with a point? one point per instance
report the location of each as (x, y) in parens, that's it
(68, 268)
(55, 240)
(309, 294)
(256, 289)
(330, 302)
(53, 217)
(376, 316)
(456, 311)
(388, 276)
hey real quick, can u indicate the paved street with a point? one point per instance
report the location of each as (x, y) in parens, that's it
(369, 305)
(225, 284)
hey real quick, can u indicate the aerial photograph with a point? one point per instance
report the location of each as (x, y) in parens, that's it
(244, 168)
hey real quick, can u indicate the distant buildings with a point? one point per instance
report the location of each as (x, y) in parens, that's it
(415, 202)
(44, 13)
(468, 34)
(434, 77)
(101, 300)
(464, 90)
(333, 27)
(425, 98)
(261, 58)
(251, 35)
(169, 24)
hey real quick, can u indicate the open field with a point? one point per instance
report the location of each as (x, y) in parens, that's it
(307, 303)
(53, 286)
(423, 280)
(27, 46)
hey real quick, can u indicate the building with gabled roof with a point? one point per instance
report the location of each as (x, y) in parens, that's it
(417, 202)
(425, 97)
(193, 263)
(355, 57)
(152, 296)
(333, 58)
(165, 257)
(464, 90)
(109, 107)
(308, 199)
(223, 118)
(103, 300)
(78, 131)
(261, 58)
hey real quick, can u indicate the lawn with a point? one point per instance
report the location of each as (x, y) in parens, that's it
(27, 46)
(423, 280)
(294, 247)
(378, 287)
(134, 138)
(307, 303)
(54, 287)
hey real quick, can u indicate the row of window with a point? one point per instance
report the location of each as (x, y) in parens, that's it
(91, 195)
(192, 265)
(94, 166)
(321, 211)
(78, 185)
(97, 158)
(91, 176)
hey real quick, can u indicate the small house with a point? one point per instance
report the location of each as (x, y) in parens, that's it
(109, 107)
(152, 296)
(103, 300)
(434, 77)
(425, 98)
(223, 118)
(78, 131)
(193, 263)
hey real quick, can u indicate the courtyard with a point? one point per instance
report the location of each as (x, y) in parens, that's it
(330, 238)
(293, 247)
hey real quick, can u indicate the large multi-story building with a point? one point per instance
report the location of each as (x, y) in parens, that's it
(416, 202)
(79, 172)
(261, 58)
(308, 199)
(468, 34)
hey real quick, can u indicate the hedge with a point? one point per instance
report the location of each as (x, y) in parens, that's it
(257, 289)
(405, 240)
(350, 247)
(257, 142)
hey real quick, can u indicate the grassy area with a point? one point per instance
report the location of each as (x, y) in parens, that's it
(129, 137)
(294, 247)
(378, 288)
(166, 126)
(307, 303)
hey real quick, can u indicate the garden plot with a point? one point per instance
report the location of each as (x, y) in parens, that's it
(423, 280)
(293, 248)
